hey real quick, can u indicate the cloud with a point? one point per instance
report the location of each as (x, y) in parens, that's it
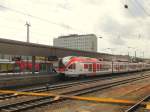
(65, 5)
(118, 41)
(2, 8)
(52, 18)
(114, 27)
(135, 9)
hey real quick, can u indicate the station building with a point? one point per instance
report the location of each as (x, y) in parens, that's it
(86, 42)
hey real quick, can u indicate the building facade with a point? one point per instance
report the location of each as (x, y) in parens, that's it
(80, 42)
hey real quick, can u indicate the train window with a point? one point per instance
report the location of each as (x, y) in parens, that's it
(121, 66)
(105, 67)
(85, 66)
(72, 66)
(98, 67)
(90, 67)
(61, 63)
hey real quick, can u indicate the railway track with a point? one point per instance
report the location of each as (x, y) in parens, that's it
(49, 87)
(80, 90)
(138, 107)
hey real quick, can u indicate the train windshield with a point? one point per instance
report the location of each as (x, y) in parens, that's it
(61, 63)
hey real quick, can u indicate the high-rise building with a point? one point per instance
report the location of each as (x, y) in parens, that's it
(80, 42)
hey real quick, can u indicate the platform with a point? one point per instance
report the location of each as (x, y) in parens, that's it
(18, 80)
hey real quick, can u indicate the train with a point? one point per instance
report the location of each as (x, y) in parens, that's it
(26, 66)
(76, 66)
(17, 66)
(6, 65)
(20, 65)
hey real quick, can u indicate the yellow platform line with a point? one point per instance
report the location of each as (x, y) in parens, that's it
(57, 96)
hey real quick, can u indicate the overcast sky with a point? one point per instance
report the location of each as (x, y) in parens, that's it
(122, 29)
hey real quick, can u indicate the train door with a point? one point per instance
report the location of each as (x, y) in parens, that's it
(72, 69)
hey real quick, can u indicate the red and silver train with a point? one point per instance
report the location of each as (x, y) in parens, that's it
(73, 66)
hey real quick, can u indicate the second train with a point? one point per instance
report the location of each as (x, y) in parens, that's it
(73, 66)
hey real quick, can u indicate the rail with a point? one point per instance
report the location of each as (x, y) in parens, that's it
(138, 104)
(50, 98)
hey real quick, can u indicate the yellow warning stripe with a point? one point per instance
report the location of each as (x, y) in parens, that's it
(103, 100)
(56, 97)
(27, 93)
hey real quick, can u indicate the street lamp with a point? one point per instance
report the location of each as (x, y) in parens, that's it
(100, 38)
(133, 49)
(129, 59)
(111, 49)
(135, 52)
(112, 53)
(112, 58)
(143, 54)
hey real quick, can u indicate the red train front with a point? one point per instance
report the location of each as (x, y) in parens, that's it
(80, 66)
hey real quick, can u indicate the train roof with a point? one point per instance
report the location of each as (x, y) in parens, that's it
(79, 59)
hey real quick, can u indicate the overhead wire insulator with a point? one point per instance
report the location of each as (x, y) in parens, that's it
(126, 6)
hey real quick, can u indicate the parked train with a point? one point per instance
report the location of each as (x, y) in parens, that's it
(26, 65)
(72, 66)
(17, 66)
(20, 65)
(6, 66)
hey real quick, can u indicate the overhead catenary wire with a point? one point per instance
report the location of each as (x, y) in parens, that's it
(12, 28)
(42, 19)
(133, 14)
(35, 17)
(144, 10)
(132, 10)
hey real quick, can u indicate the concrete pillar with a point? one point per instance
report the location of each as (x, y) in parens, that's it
(33, 64)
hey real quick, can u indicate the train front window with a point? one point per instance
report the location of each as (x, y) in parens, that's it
(61, 63)
(72, 66)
